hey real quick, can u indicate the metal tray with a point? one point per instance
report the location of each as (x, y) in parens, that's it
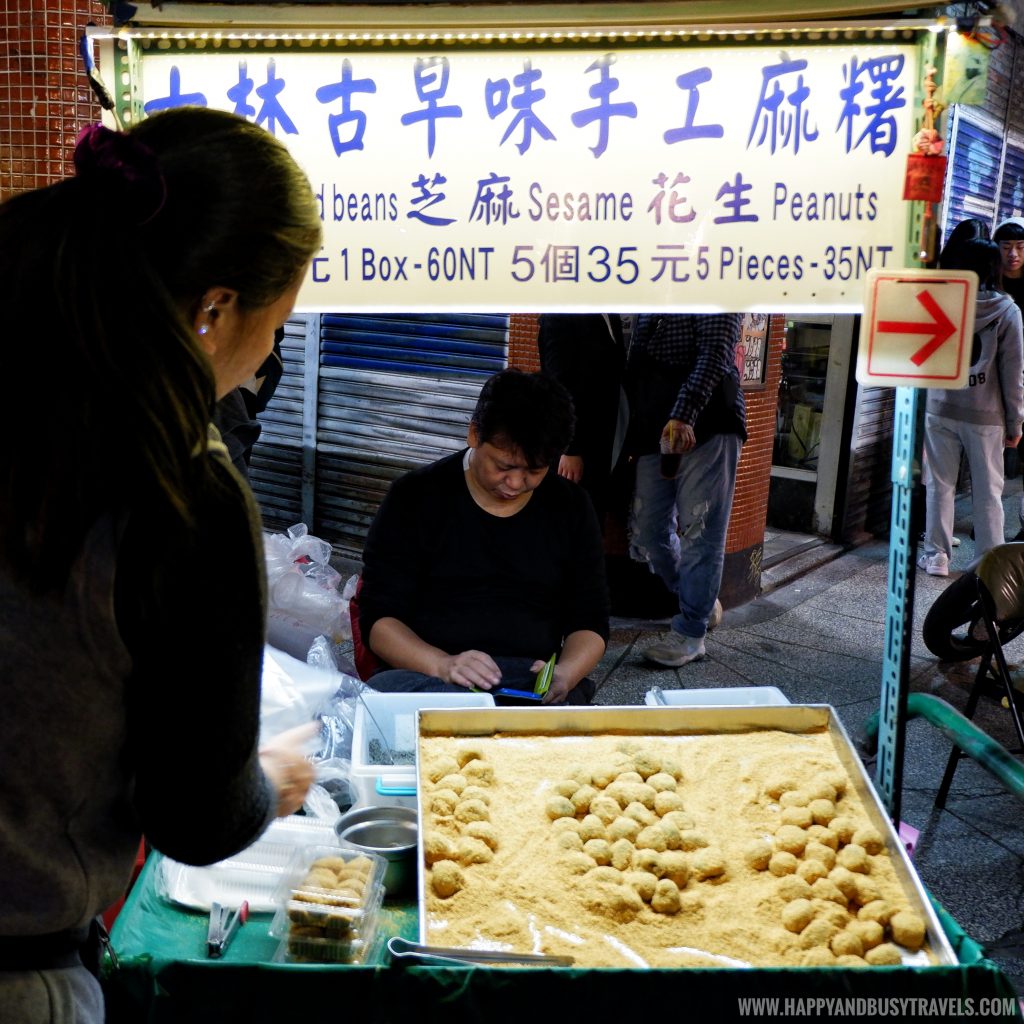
(682, 721)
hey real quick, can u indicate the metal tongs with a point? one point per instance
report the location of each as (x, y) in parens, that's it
(400, 948)
(223, 926)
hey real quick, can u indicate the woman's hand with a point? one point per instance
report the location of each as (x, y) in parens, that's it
(283, 760)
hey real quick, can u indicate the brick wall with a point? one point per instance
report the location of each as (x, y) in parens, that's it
(44, 95)
(750, 506)
(522, 342)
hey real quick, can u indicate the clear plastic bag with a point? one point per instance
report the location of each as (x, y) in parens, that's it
(333, 777)
(337, 714)
(320, 802)
(305, 600)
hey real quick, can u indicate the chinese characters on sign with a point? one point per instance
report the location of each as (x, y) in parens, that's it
(743, 179)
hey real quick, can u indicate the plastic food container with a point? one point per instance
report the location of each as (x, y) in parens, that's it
(386, 724)
(328, 906)
(254, 875)
(751, 696)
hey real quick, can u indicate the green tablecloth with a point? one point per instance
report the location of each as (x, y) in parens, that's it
(164, 975)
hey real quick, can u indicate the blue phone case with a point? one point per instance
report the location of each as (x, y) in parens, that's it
(509, 696)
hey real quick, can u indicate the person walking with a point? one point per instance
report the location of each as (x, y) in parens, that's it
(686, 404)
(1009, 236)
(980, 419)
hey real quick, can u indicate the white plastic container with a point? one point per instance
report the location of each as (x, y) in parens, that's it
(252, 875)
(389, 720)
(746, 696)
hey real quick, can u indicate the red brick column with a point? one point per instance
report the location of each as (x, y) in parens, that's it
(744, 543)
(44, 95)
(522, 342)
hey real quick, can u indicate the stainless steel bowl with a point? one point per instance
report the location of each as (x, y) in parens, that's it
(390, 832)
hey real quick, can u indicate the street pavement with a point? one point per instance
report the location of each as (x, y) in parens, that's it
(818, 637)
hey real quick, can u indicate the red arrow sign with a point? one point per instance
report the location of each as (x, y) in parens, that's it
(941, 328)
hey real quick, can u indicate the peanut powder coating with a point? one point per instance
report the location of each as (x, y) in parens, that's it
(749, 849)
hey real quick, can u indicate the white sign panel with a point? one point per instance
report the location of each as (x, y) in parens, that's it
(917, 328)
(739, 178)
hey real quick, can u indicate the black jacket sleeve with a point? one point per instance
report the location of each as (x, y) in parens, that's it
(192, 610)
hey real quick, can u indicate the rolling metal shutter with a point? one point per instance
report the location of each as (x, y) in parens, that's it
(394, 392)
(364, 399)
(1011, 191)
(973, 177)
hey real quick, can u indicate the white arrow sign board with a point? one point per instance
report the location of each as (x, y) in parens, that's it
(917, 328)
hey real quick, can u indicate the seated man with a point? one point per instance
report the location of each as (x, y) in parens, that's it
(483, 564)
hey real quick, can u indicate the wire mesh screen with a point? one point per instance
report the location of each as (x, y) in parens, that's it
(44, 95)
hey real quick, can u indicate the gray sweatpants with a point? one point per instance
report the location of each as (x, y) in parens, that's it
(944, 439)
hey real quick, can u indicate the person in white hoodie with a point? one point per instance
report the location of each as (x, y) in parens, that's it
(1010, 236)
(980, 419)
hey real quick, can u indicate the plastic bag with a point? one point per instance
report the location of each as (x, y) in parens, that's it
(295, 692)
(337, 714)
(292, 691)
(338, 718)
(303, 589)
(323, 654)
(320, 804)
(333, 776)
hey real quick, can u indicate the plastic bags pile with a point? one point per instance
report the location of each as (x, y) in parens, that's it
(305, 595)
(308, 616)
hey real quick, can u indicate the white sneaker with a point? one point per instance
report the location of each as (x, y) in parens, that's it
(676, 651)
(716, 615)
(955, 542)
(935, 565)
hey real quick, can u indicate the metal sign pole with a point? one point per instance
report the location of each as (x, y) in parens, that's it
(899, 611)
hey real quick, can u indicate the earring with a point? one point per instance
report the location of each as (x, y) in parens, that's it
(205, 328)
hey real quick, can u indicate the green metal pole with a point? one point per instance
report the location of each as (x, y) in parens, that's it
(899, 612)
(976, 744)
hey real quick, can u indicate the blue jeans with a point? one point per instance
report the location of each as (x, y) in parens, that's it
(678, 526)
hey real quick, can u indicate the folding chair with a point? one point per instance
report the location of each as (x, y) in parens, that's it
(990, 601)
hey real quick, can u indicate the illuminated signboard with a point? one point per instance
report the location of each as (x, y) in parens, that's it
(713, 178)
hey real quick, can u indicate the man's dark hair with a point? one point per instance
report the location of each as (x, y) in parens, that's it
(1009, 231)
(527, 411)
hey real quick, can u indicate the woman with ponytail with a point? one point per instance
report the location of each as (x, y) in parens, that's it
(132, 594)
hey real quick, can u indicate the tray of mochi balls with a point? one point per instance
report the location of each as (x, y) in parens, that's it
(654, 817)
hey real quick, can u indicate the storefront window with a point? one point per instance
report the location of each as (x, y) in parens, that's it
(802, 393)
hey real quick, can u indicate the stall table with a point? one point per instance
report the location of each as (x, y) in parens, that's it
(163, 975)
